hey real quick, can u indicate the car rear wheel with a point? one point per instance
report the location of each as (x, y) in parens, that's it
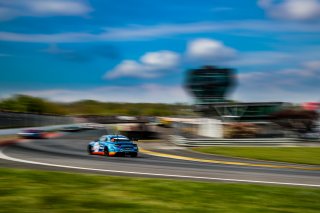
(90, 149)
(134, 155)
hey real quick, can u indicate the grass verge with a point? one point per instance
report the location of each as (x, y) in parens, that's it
(305, 155)
(39, 191)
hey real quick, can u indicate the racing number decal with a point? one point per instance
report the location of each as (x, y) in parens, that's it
(96, 147)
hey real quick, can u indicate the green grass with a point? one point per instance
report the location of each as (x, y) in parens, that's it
(38, 191)
(305, 155)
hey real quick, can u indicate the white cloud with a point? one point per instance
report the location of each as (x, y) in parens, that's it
(41, 8)
(48, 38)
(260, 58)
(57, 7)
(162, 59)
(209, 50)
(252, 76)
(312, 65)
(7, 13)
(298, 84)
(221, 9)
(292, 9)
(150, 65)
(154, 64)
(310, 69)
(152, 93)
(132, 33)
(265, 94)
(130, 68)
(204, 51)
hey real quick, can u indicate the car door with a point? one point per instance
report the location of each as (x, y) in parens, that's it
(96, 146)
(102, 142)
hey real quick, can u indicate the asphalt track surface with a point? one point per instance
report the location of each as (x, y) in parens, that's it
(69, 153)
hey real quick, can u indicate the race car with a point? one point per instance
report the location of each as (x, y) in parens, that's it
(32, 134)
(113, 145)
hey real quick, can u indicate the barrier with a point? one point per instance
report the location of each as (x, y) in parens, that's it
(182, 141)
(16, 120)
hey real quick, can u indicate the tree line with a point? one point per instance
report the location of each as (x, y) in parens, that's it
(29, 104)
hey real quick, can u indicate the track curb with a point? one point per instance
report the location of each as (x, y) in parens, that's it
(234, 163)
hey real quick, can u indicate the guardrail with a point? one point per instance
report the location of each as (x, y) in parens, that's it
(20, 120)
(46, 128)
(182, 141)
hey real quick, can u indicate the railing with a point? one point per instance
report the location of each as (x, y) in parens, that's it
(182, 141)
(16, 120)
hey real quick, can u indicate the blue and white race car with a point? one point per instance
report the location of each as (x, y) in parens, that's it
(113, 145)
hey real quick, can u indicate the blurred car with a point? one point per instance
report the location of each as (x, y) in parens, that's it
(71, 129)
(91, 126)
(310, 136)
(32, 134)
(113, 145)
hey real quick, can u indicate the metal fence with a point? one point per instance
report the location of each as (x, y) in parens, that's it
(182, 141)
(16, 120)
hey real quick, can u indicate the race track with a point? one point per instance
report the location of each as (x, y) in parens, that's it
(68, 153)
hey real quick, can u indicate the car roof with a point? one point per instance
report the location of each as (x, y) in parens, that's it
(32, 130)
(115, 136)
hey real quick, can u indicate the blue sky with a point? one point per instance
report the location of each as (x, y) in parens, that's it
(139, 51)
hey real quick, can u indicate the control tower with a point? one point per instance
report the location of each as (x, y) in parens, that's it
(210, 85)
